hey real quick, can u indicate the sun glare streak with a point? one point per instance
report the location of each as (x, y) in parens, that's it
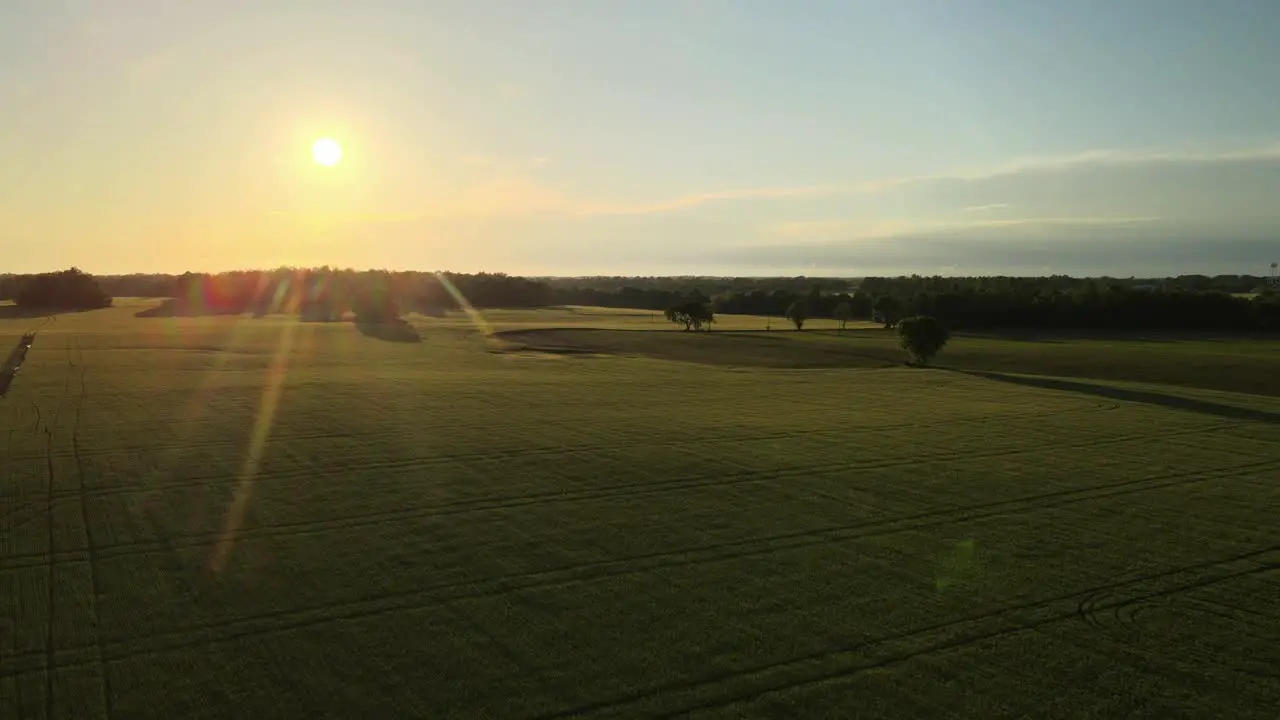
(198, 405)
(476, 317)
(262, 425)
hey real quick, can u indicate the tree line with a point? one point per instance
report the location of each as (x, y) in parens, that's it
(70, 289)
(1189, 302)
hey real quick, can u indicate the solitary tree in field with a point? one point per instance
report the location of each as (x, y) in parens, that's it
(693, 315)
(922, 337)
(677, 315)
(843, 313)
(887, 310)
(798, 313)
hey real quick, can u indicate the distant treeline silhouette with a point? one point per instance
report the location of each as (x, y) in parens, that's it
(62, 291)
(1195, 303)
(323, 294)
(1188, 302)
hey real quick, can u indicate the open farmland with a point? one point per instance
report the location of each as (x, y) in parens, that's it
(218, 517)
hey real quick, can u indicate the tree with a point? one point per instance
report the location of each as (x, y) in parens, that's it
(69, 289)
(375, 304)
(797, 313)
(887, 310)
(922, 336)
(693, 315)
(843, 313)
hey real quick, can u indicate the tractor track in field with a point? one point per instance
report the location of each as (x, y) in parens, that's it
(499, 504)
(311, 472)
(18, 425)
(607, 569)
(828, 534)
(816, 675)
(8, 372)
(409, 435)
(49, 429)
(95, 594)
(809, 669)
(1121, 614)
(688, 482)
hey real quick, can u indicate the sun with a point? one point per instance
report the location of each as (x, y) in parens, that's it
(326, 152)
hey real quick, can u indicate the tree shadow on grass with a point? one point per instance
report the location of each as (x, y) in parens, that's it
(724, 348)
(172, 308)
(396, 330)
(13, 312)
(1175, 402)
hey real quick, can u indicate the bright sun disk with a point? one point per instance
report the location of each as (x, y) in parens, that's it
(326, 151)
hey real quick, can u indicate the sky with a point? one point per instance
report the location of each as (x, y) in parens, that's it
(576, 137)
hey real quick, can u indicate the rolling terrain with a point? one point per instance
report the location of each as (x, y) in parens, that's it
(587, 514)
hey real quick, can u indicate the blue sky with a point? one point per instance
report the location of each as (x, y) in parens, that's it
(683, 136)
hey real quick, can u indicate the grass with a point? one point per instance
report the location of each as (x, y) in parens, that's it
(1216, 363)
(208, 517)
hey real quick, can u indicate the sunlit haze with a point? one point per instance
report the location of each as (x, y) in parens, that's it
(566, 137)
(326, 151)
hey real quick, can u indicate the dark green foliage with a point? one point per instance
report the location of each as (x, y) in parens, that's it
(798, 312)
(693, 315)
(1189, 302)
(888, 310)
(319, 309)
(843, 313)
(923, 337)
(375, 304)
(69, 289)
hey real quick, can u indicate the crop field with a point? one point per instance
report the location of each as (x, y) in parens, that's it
(587, 514)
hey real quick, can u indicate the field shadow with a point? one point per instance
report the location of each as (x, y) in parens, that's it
(1018, 337)
(1175, 402)
(172, 308)
(13, 312)
(1059, 337)
(723, 348)
(397, 330)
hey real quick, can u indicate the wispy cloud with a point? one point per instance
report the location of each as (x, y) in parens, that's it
(1144, 249)
(691, 201)
(854, 230)
(1037, 164)
(1115, 156)
(811, 228)
(514, 188)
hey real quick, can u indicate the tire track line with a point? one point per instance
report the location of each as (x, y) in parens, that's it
(53, 550)
(1000, 507)
(311, 472)
(587, 447)
(263, 625)
(809, 667)
(94, 569)
(603, 570)
(687, 483)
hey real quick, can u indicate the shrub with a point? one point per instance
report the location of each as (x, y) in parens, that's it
(922, 337)
(797, 313)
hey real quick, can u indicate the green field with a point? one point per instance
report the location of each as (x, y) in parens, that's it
(588, 514)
